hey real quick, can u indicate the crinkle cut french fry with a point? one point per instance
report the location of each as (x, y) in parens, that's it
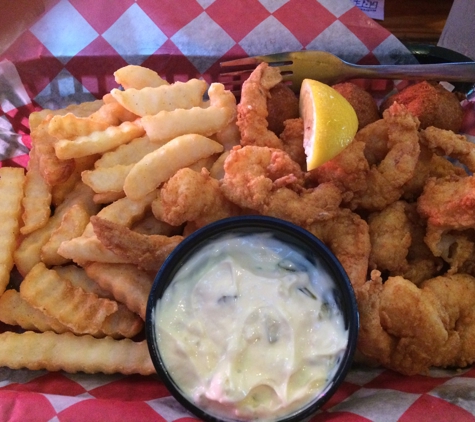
(159, 165)
(149, 224)
(112, 112)
(167, 125)
(81, 110)
(150, 101)
(217, 169)
(87, 247)
(28, 253)
(61, 191)
(206, 162)
(72, 225)
(84, 249)
(37, 198)
(53, 169)
(128, 153)
(70, 126)
(78, 278)
(138, 77)
(122, 323)
(229, 136)
(126, 282)
(108, 197)
(70, 353)
(107, 179)
(124, 211)
(14, 310)
(82, 312)
(98, 142)
(12, 180)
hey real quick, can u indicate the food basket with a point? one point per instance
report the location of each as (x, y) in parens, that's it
(69, 54)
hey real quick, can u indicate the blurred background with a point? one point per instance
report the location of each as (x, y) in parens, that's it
(408, 20)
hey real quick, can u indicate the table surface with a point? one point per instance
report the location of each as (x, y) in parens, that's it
(416, 20)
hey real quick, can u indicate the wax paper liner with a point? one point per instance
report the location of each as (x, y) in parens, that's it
(69, 55)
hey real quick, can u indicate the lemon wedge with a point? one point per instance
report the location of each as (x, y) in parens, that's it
(330, 122)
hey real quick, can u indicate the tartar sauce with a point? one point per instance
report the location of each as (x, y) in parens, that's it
(249, 328)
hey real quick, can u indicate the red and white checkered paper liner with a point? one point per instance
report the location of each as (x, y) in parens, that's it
(69, 56)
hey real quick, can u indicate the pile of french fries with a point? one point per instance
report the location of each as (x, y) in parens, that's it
(80, 306)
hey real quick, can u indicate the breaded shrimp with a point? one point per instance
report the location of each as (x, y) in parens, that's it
(410, 329)
(446, 142)
(347, 235)
(444, 202)
(386, 181)
(252, 109)
(456, 295)
(253, 113)
(348, 171)
(192, 196)
(390, 234)
(403, 327)
(422, 263)
(375, 138)
(448, 205)
(268, 181)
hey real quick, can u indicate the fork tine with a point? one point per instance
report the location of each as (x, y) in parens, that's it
(246, 61)
(235, 72)
(272, 59)
(233, 81)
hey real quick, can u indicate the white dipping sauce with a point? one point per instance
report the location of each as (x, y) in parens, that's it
(250, 329)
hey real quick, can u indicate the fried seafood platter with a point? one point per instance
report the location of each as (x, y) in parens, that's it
(113, 186)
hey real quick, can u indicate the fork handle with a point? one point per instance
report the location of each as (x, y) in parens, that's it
(450, 72)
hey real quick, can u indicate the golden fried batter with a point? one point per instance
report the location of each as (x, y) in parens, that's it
(148, 252)
(410, 329)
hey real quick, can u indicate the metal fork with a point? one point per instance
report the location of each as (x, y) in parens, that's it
(327, 68)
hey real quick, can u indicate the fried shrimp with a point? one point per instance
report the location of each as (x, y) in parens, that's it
(422, 263)
(268, 181)
(253, 113)
(347, 235)
(348, 171)
(402, 334)
(448, 206)
(390, 234)
(192, 196)
(392, 145)
(428, 326)
(386, 180)
(252, 109)
(446, 142)
(375, 138)
(456, 295)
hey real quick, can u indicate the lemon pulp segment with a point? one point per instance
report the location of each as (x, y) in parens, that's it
(330, 122)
